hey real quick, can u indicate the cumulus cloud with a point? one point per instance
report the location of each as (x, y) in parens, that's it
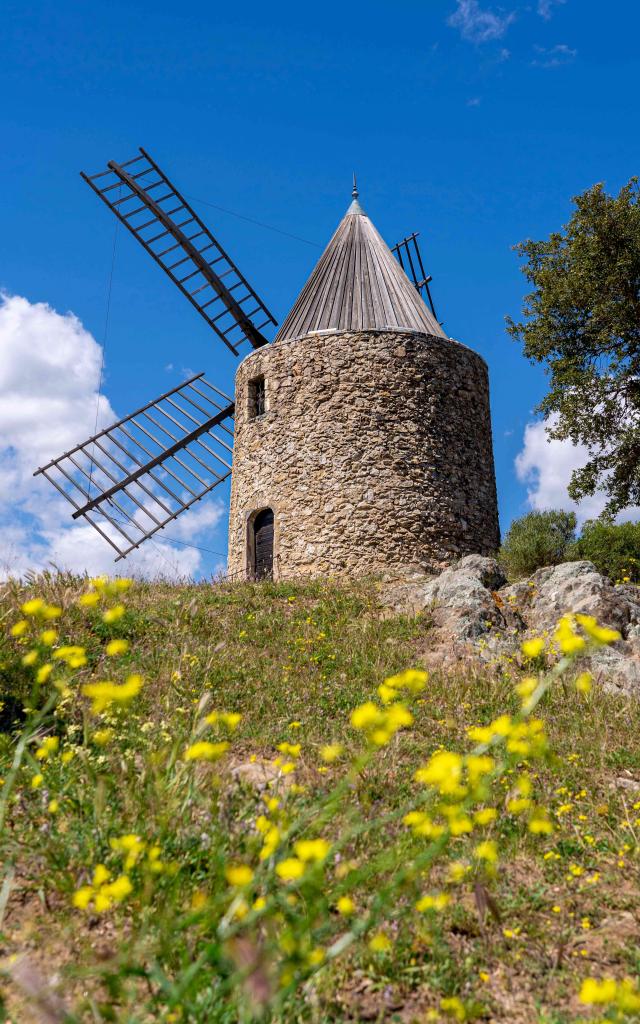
(479, 24)
(49, 380)
(554, 56)
(546, 466)
(545, 7)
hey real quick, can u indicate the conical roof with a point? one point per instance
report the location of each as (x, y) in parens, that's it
(357, 285)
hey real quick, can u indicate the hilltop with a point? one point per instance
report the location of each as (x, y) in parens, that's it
(106, 782)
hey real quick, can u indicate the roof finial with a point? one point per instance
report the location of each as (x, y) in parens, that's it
(354, 191)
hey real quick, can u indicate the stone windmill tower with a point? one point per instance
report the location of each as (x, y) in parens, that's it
(363, 433)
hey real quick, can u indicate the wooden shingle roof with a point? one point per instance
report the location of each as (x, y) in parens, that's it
(358, 285)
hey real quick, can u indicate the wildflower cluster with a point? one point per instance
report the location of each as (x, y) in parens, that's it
(274, 882)
(618, 997)
(380, 724)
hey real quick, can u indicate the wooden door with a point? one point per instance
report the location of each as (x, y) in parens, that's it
(263, 544)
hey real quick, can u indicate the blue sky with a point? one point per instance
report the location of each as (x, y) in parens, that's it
(471, 122)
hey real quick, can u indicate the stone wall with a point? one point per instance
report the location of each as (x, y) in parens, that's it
(374, 452)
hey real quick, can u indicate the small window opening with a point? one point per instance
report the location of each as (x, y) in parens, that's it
(257, 397)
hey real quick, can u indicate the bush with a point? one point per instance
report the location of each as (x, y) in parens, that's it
(614, 548)
(536, 540)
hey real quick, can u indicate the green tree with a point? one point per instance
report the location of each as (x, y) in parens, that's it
(614, 548)
(582, 322)
(536, 540)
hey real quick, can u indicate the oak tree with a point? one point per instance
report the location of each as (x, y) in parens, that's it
(581, 321)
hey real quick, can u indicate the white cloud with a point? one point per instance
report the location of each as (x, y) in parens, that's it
(49, 379)
(545, 7)
(478, 24)
(546, 467)
(554, 56)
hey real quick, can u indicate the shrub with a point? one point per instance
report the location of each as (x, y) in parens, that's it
(614, 548)
(536, 540)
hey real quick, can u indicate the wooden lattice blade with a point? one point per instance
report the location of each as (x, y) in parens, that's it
(407, 253)
(159, 217)
(135, 477)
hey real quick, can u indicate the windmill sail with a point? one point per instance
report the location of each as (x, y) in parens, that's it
(145, 201)
(133, 478)
(407, 253)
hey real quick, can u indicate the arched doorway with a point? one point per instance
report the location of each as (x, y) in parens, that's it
(263, 545)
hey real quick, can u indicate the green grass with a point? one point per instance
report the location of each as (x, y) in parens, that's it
(303, 653)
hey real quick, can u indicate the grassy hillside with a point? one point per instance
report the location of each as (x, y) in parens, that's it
(287, 865)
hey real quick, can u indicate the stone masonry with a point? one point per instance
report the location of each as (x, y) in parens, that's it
(374, 453)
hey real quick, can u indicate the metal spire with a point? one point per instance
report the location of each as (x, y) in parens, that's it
(355, 205)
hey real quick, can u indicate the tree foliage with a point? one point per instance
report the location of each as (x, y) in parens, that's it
(614, 548)
(536, 540)
(582, 322)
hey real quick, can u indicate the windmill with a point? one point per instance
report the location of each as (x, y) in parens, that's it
(133, 478)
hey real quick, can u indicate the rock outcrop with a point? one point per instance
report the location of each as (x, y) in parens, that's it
(477, 615)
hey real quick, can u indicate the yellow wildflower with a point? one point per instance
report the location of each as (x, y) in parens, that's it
(120, 888)
(487, 851)
(37, 781)
(33, 607)
(230, 719)
(397, 717)
(312, 849)
(20, 628)
(600, 635)
(239, 875)
(204, 751)
(345, 906)
(116, 647)
(90, 599)
(533, 648)
(104, 694)
(599, 993)
(478, 765)
(44, 672)
(436, 902)
(290, 869)
(102, 737)
(291, 749)
(485, 816)
(82, 897)
(539, 823)
(113, 614)
(380, 943)
(73, 655)
(366, 715)
(131, 845)
(414, 680)
(331, 752)
(454, 1007)
(443, 770)
(270, 843)
(566, 637)
(48, 747)
(101, 875)
(53, 806)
